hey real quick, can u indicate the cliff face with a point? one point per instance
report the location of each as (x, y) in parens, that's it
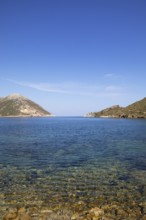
(17, 105)
(135, 110)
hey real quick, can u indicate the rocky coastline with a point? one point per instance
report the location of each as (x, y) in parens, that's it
(135, 110)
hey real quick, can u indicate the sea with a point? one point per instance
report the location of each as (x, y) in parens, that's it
(74, 163)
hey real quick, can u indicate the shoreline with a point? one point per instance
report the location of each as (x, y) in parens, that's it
(27, 116)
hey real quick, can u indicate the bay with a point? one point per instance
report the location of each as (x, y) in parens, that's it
(61, 161)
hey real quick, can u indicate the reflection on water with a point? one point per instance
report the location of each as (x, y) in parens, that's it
(74, 163)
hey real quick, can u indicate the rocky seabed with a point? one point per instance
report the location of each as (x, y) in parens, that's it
(107, 212)
(110, 192)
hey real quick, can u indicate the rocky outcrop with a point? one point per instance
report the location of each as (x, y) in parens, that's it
(135, 110)
(16, 105)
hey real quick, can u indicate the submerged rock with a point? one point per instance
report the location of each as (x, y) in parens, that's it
(97, 211)
(15, 214)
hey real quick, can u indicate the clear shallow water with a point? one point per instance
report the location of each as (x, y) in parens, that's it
(77, 163)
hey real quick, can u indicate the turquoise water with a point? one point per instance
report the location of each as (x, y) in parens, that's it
(73, 162)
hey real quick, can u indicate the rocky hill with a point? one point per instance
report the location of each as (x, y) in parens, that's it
(135, 110)
(19, 106)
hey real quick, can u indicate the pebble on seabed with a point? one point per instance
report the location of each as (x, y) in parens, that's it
(16, 214)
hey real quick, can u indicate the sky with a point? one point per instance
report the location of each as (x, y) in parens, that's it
(73, 56)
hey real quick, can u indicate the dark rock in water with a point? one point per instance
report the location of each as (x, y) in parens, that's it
(143, 208)
(123, 116)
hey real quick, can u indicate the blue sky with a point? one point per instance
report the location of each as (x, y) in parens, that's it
(73, 56)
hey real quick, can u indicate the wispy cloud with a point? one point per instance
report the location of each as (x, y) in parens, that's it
(72, 88)
(112, 76)
(112, 88)
(109, 75)
(66, 87)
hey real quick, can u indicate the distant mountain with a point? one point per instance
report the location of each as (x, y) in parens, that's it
(135, 110)
(19, 106)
